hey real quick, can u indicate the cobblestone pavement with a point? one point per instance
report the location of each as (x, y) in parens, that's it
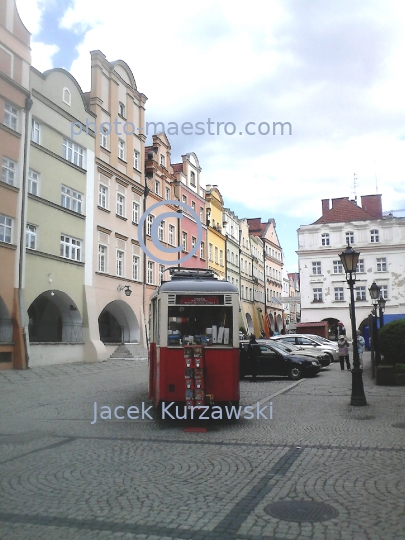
(64, 478)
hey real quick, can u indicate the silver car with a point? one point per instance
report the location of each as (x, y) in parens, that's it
(323, 358)
(306, 342)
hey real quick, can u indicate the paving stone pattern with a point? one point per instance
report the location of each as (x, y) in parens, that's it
(66, 479)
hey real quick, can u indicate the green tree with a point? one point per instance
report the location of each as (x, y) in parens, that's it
(391, 341)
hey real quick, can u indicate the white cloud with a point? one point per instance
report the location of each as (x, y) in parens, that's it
(42, 55)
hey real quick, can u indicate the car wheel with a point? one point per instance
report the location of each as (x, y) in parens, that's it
(295, 373)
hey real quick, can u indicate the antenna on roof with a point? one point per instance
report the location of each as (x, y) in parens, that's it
(354, 187)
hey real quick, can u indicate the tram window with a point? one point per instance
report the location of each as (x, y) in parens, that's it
(197, 322)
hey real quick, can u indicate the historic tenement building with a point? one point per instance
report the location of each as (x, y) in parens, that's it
(379, 238)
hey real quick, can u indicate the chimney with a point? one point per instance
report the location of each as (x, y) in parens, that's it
(325, 206)
(373, 205)
(208, 187)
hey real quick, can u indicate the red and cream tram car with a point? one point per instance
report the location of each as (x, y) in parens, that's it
(194, 340)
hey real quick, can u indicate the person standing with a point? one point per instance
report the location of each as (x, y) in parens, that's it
(343, 353)
(252, 351)
(360, 347)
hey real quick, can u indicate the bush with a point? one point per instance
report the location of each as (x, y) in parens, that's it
(399, 368)
(391, 341)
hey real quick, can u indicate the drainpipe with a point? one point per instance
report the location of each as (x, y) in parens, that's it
(28, 105)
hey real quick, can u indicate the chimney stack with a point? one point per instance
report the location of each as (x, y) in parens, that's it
(325, 206)
(373, 205)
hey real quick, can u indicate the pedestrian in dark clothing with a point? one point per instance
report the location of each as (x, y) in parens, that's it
(253, 356)
(343, 353)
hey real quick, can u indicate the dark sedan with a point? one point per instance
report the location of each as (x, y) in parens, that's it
(267, 359)
(323, 358)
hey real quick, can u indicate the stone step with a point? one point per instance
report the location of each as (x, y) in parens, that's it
(129, 350)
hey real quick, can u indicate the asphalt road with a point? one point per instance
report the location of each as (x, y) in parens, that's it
(316, 469)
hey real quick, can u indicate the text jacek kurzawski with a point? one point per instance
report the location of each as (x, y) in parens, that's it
(180, 412)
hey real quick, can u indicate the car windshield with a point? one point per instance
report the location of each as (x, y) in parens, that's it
(276, 347)
(286, 347)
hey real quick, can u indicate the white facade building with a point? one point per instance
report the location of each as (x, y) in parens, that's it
(381, 242)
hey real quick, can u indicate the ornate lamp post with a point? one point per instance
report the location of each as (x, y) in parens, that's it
(381, 305)
(374, 291)
(349, 259)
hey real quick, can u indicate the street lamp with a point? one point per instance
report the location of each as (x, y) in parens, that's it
(349, 259)
(381, 305)
(374, 291)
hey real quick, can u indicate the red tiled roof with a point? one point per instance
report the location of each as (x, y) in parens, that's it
(177, 167)
(343, 211)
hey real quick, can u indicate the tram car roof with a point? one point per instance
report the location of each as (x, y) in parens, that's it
(195, 280)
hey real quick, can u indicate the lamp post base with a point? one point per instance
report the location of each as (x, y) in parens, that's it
(358, 397)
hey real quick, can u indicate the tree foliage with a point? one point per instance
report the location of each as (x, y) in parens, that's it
(391, 341)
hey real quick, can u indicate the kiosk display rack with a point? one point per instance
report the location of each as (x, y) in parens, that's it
(194, 375)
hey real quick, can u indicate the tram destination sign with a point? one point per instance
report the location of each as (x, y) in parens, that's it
(199, 300)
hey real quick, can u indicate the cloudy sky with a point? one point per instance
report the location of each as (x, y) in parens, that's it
(333, 70)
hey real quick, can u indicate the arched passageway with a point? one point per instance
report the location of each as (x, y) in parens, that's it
(54, 317)
(117, 323)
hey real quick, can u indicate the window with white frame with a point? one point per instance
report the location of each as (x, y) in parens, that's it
(381, 264)
(121, 149)
(337, 267)
(316, 267)
(339, 294)
(120, 263)
(184, 240)
(184, 199)
(103, 196)
(171, 235)
(216, 255)
(31, 236)
(10, 116)
(151, 272)
(202, 250)
(167, 194)
(102, 258)
(384, 291)
(360, 266)
(193, 205)
(70, 248)
(350, 237)
(192, 179)
(120, 205)
(361, 292)
(157, 187)
(318, 294)
(193, 243)
(221, 257)
(161, 273)
(135, 212)
(210, 252)
(149, 222)
(33, 182)
(325, 239)
(201, 214)
(66, 96)
(73, 153)
(121, 109)
(162, 160)
(242, 289)
(161, 231)
(136, 264)
(136, 160)
(374, 236)
(6, 229)
(71, 199)
(104, 137)
(35, 131)
(8, 171)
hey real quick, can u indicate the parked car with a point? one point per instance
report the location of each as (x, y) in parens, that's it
(273, 360)
(302, 340)
(321, 339)
(313, 352)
